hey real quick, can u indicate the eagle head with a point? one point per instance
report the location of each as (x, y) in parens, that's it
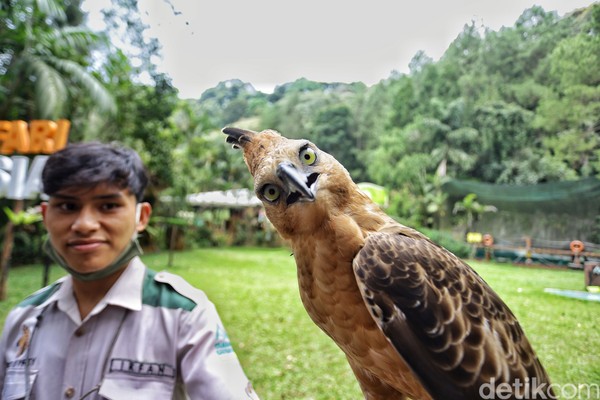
(299, 185)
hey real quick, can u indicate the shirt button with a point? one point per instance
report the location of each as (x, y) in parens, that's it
(70, 392)
(79, 332)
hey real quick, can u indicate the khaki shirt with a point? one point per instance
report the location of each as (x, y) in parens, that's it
(153, 336)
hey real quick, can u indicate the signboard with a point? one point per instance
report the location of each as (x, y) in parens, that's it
(18, 180)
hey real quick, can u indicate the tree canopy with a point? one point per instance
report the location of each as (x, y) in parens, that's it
(520, 105)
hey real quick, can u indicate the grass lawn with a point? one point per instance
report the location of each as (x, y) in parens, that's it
(288, 357)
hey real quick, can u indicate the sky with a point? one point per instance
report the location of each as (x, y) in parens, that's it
(272, 42)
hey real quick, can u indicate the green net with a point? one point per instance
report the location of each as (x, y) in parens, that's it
(571, 197)
(552, 212)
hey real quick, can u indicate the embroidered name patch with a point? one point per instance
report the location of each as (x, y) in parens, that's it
(133, 367)
(20, 363)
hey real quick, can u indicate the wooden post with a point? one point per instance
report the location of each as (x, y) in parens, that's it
(172, 243)
(7, 250)
(527, 250)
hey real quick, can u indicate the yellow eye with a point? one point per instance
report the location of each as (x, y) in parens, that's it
(271, 192)
(308, 156)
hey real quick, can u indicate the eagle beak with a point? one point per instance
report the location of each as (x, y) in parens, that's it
(299, 184)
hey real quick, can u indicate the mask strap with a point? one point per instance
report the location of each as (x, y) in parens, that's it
(138, 213)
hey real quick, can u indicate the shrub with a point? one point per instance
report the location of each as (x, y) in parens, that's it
(449, 241)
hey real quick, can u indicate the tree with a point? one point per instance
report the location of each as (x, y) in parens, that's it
(465, 50)
(505, 129)
(332, 132)
(45, 61)
(371, 111)
(514, 53)
(404, 102)
(472, 210)
(203, 161)
(575, 61)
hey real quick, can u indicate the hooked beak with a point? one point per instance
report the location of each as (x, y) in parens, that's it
(300, 186)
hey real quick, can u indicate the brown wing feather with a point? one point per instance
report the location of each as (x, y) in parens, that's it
(447, 323)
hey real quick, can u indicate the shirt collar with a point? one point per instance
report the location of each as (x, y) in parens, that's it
(126, 292)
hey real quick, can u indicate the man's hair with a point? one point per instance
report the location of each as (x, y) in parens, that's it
(93, 163)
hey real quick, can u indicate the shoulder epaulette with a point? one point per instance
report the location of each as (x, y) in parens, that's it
(41, 295)
(164, 289)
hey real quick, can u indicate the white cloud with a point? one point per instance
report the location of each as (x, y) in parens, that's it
(271, 42)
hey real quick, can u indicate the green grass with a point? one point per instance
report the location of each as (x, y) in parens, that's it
(288, 357)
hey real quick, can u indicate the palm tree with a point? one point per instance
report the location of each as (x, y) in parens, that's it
(472, 209)
(44, 57)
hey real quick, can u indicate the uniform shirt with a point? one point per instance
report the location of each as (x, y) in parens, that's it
(153, 336)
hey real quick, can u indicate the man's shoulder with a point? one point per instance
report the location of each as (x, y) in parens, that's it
(167, 290)
(41, 295)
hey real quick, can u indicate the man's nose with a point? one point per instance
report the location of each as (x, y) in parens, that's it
(87, 220)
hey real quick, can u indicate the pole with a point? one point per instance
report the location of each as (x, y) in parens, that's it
(172, 244)
(7, 250)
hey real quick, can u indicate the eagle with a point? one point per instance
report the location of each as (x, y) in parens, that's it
(413, 319)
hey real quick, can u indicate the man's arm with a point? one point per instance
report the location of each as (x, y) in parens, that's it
(209, 366)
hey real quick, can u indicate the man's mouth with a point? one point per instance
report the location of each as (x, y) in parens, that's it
(85, 245)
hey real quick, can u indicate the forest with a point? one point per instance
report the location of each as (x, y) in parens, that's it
(516, 106)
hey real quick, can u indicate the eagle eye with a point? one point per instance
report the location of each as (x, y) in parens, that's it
(308, 156)
(271, 192)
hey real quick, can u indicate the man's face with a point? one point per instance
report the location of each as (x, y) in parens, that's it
(90, 228)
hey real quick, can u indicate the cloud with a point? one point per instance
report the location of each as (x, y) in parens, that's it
(271, 42)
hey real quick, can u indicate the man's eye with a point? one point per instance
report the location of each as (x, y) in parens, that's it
(110, 206)
(67, 206)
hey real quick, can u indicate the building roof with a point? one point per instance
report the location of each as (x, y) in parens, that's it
(234, 198)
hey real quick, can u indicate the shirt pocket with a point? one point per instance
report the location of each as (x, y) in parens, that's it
(132, 388)
(14, 382)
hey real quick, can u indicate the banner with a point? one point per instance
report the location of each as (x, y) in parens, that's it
(18, 180)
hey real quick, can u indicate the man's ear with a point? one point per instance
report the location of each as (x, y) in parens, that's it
(43, 209)
(143, 212)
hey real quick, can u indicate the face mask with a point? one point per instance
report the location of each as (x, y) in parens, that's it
(132, 250)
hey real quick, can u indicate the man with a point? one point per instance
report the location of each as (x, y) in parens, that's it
(111, 328)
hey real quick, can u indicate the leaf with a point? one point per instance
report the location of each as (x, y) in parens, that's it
(73, 37)
(11, 215)
(51, 92)
(52, 9)
(95, 89)
(27, 217)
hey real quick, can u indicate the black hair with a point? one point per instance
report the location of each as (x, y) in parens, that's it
(93, 163)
